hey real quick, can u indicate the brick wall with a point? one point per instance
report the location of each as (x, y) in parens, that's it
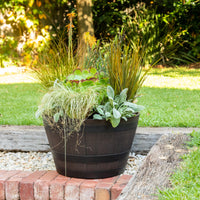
(45, 185)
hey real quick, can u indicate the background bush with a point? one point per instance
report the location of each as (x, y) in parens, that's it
(26, 25)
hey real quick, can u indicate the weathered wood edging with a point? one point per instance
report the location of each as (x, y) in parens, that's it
(162, 160)
(33, 138)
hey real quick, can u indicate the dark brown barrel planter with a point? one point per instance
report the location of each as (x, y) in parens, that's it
(102, 152)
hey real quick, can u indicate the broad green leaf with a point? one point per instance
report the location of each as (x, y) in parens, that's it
(108, 107)
(123, 95)
(100, 111)
(87, 83)
(108, 115)
(134, 106)
(70, 77)
(124, 118)
(97, 116)
(110, 92)
(116, 113)
(129, 104)
(77, 77)
(115, 122)
(117, 99)
(130, 110)
(78, 72)
(85, 72)
(115, 104)
(139, 108)
(111, 100)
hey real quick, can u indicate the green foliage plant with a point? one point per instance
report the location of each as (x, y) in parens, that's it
(125, 68)
(117, 108)
(157, 33)
(72, 101)
(56, 61)
(82, 75)
(143, 24)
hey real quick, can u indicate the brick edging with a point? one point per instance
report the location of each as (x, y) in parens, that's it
(45, 185)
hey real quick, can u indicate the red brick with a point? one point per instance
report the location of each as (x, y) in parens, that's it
(124, 178)
(87, 189)
(72, 189)
(41, 186)
(4, 175)
(119, 186)
(12, 185)
(57, 187)
(103, 188)
(27, 185)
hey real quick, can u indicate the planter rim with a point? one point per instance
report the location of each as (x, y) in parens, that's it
(88, 120)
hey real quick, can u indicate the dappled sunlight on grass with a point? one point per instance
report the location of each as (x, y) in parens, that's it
(175, 72)
(173, 82)
(18, 78)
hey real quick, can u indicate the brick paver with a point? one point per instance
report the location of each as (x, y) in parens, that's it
(46, 185)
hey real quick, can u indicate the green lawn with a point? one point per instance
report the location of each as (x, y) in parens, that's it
(170, 107)
(18, 103)
(171, 98)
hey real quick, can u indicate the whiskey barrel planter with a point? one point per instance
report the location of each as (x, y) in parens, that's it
(102, 152)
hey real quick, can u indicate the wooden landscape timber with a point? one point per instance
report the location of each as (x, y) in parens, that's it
(33, 138)
(162, 160)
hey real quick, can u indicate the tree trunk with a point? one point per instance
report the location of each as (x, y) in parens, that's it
(85, 24)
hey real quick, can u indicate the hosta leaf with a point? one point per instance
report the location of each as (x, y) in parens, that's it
(116, 113)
